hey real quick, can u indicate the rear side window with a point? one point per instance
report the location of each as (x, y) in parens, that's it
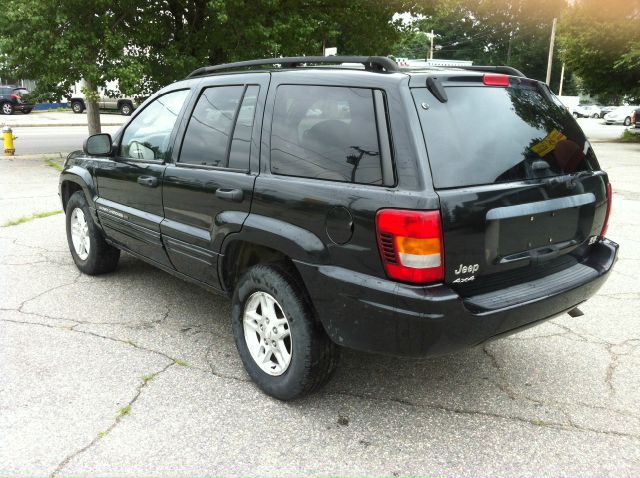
(210, 126)
(486, 135)
(330, 133)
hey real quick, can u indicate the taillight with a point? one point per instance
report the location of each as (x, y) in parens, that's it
(605, 226)
(491, 79)
(411, 245)
(16, 97)
(633, 117)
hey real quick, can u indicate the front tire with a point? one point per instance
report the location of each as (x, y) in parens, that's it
(90, 252)
(77, 107)
(283, 347)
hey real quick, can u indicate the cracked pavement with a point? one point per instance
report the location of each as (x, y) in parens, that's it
(136, 373)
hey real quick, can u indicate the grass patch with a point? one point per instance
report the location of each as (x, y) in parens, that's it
(102, 434)
(538, 423)
(38, 215)
(629, 137)
(54, 164)
(124, 411)
(181, 362)
(148, 377)
(52, 110)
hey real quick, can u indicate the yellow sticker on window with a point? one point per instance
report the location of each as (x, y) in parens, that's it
(549, 143)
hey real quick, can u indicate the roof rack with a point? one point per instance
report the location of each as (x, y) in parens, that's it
(507, 70)
(371, 63)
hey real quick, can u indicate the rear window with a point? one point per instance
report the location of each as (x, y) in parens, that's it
(486, 135)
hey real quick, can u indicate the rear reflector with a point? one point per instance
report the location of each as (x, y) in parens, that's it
(605, 226)
(495, 80)
(410, 244)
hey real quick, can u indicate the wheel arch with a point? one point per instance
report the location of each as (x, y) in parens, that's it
(76, 179)
(267, 240)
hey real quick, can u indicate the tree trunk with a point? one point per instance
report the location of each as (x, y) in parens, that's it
(93, 111)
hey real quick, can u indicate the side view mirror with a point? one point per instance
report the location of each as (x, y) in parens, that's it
(98, 145)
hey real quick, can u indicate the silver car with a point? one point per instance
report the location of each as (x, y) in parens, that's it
(621, 115)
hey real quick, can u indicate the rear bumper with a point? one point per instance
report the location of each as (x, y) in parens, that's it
(23, 106)
(376, 315)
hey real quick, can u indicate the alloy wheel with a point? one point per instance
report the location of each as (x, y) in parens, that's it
(80, 234)
(267, 333)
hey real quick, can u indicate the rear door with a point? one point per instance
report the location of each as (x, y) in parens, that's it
(208, 188)
(519, 185)
(130, 185)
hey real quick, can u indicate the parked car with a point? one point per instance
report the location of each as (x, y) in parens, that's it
(635, 118)
(606, 109)
(307, 196)
(11, 100)
(586, 111)
(621, 115)
(125, 105)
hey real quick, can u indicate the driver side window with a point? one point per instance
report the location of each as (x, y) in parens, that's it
(147, 136)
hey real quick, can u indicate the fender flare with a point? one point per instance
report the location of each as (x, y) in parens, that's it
(293, 241)
(81, 177)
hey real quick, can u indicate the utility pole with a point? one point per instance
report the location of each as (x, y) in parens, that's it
(431, 49)
(551, 44)
(561, 79)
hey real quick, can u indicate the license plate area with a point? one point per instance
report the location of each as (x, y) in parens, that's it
(513, 230)
(537, 230)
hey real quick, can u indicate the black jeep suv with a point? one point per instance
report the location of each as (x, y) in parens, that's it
(403, 212)
(11, 100)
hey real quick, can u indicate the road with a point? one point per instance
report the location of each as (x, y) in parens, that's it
(135, 373)
(52, 139)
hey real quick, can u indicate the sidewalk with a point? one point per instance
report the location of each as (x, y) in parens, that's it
(52, 118)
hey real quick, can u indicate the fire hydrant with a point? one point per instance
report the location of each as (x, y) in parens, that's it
(7, 134)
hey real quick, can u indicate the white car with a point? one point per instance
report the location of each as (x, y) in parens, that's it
(621, 115)
(586, 111)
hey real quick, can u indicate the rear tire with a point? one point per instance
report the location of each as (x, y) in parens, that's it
(90, 252)
(312, 357)
(627, 121)
(7, 109)
(26, 112)
(77, 107)
(126, 109)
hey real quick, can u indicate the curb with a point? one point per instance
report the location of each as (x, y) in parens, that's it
(24, 125)
(40, 157)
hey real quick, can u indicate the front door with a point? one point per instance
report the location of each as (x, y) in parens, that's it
(208, 188)
(129, 203)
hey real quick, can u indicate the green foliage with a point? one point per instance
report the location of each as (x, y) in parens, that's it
(629, 137)
(146, 45)
(490, 32)
(37, 215)
(53, 164)
(602, 45)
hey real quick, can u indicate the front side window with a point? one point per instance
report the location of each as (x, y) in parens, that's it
(326, 132)
(147, 136)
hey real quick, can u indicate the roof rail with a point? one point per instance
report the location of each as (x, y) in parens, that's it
(371, 63)
(507, 70)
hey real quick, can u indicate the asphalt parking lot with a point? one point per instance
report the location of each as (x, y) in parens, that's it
(135, 373)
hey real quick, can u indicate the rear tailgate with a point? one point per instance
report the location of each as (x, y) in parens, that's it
(521, 192)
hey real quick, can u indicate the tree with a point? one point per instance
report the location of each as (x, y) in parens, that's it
(601, 45)
(490, 32)
(147, 44)
(59, 43)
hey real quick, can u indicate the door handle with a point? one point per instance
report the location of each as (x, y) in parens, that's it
(230, 194)
(149, 181)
